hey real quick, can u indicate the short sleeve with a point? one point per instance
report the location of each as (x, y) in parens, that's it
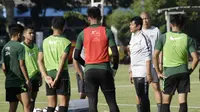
(160, 42)
(67, 49)
(110, 36)
(191, 45)
(21, 53)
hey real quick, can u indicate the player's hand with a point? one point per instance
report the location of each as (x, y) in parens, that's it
(28, 83)
(161, 76)
(114, 71)
(149, 78)
(49, 81)
(54, 83)
(130, 77)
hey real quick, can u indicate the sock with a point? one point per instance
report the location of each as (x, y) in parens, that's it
(63, 109)
(165, 108)
(139, 107)
(183, 107)
(159, 105)
(50, 109)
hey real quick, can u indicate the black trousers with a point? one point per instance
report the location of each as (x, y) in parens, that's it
(142, 91)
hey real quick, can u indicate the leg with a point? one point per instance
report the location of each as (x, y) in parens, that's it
(158, 95)
(52, 98)
(183, 89)
(182, 98)
(12, 98)
(81, 87)
(108, 88)
(52, 102)
(156, 87)
(33, 98)
(111, 100)
(33, 94)
(93, 100)
(166, 102)
(142, 92)
(25, 100)
(13, 106)
(64, 103)
(91, 88)
(63, 93)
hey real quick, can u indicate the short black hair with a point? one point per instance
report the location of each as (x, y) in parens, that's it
(138, 21)
(178, 20)
(58, 23)
(28, 27)
(94, 12)
(15, 29)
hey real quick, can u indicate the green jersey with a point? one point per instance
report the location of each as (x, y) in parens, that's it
(31, 54)
(176, 47)
(53, 48)
(111, 42)
(12, 53)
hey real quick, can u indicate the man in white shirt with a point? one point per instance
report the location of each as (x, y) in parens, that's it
(140, 68)
(153, 33)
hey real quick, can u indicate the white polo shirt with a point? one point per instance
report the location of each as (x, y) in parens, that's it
(140, 52)
(153, 33)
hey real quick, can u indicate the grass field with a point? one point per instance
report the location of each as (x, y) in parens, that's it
(124, 90)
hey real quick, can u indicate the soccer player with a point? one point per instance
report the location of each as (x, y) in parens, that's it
(140, 68)
(17, 82)
(31, 55)
(80, 75)
(153, 34)
(98, 73)
(175, 46)
(53, 65)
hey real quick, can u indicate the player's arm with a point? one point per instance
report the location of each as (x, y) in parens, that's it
(158, 48)
(194, 54)
(78, 49)
(77, 67)
(21, 58)
(4, 68)
(63, 61)
(3, 65)
(113, 47)
(161, 53)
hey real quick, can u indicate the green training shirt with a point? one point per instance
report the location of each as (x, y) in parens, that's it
(12, 53)
(111, 41)
(31, 55)
(175, 47)
(53, 47)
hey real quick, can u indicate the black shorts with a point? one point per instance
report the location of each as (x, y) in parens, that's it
(95, 78)
(80, 84)
(12, 92)
(179, 82)
(35, 85)
(62, 88)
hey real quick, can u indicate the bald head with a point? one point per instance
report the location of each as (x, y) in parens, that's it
(146, 20)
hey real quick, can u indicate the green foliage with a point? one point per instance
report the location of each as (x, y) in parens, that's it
(120, 19)
(75, 15)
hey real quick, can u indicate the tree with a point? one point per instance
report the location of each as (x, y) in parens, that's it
(9, 5)
(120, 19)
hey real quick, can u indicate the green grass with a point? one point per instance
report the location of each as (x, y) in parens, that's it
(124, 90)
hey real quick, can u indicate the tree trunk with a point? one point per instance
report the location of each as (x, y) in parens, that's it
(9, 5)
